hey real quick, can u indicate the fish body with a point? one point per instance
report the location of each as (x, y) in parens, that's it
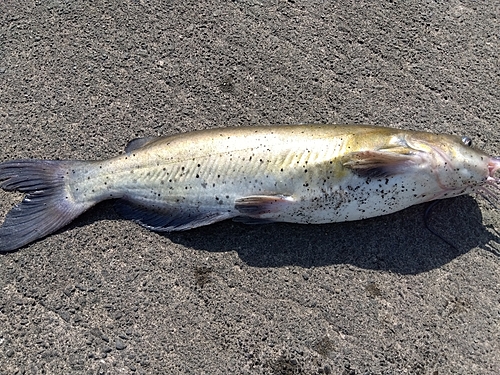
(302, 174)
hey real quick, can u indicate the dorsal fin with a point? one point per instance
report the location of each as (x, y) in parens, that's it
(134, 144)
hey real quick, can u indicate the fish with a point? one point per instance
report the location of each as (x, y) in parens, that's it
(309, 174)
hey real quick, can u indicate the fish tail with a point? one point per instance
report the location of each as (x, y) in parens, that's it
(47, 205)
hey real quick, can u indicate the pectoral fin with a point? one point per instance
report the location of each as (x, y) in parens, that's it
(381, 163)
(255, 205)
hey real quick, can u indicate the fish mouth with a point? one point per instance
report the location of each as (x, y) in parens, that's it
(491, 190)
(493, 167)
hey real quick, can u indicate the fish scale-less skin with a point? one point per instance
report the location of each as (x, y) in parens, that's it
(302, 174)
(210, 174)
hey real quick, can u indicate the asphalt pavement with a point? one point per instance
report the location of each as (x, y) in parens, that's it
(79, 79)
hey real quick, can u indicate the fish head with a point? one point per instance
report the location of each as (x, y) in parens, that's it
(457, 165)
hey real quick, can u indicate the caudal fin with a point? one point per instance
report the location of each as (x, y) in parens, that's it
(47, 205)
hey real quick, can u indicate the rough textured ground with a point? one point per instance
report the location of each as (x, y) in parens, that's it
(78, 79)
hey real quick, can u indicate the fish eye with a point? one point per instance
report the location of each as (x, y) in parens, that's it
(467, 141)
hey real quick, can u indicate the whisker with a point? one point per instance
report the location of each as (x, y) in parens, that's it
(495, 184)
(487, 191)
(427, 215)
(490, 196)
(495, 190)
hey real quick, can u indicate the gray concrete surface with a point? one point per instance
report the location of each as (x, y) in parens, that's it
(78, 79)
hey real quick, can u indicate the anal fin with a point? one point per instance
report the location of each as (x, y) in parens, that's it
(168, 219)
